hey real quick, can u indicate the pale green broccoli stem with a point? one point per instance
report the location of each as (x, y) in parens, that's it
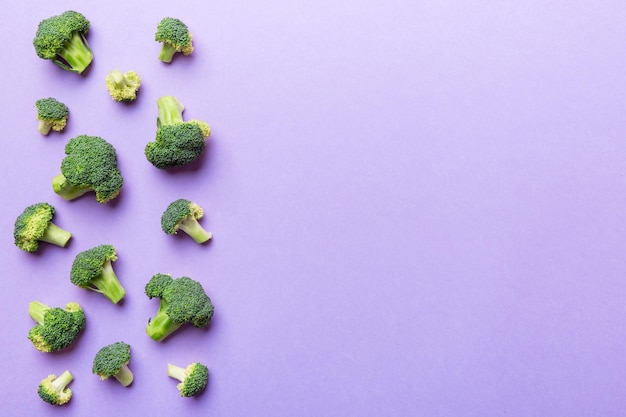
(44, 127)
(167, 52)
(176, 372)
(161, 326)
(191, 226)
(66, 190)
(124, 375)
(170, 111)
(62, 381)
(55, 235)
(108, 284)
(76, 53)
(118, 79)
(36, 311)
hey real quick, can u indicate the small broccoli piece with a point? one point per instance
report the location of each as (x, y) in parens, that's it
(184, 215)
(35, 225)
(61, 39)
(175, 37)
(92, 269)
(177, 142)
(54, 390)
(52, 114)
(182, 301)
(112, 360)
(57, 328)
(123, 86)
(193, 378)
(90, 164)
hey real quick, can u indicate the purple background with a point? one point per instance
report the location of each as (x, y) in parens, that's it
(417, 207)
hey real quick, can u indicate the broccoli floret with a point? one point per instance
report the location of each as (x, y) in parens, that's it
(123, 86)
(35, 225)
(62, 39)
(90, 164)
(93, 270)
(54, 390)
(184, 215)
(192, 379)
(58, 328)
(112, 360)
(175, 37)
(177, 142)
(182, 300)
(52, 114)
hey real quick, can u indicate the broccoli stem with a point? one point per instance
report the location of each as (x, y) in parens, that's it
(161, 326)
(176, 372)
(44, 127)
(118, 79)
(76, 54)
(108, 284)
(55, 235)
(167, 52)
(192, 227)
(61, 382)
(65, 190)
(124, 375)
(170, 111)
(37, 310)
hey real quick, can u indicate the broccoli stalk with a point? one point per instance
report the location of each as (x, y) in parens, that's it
(76, 53)
(53, 389)
(92, 269)
(65, 190)
(193, 378)
(170, 111)
(161, 325)
(55, 235)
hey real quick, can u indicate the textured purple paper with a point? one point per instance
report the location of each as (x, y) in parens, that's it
(417, 208)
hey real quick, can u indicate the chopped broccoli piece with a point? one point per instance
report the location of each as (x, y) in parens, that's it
(61, 39)
(93, 270)
(112, 360)
(52, 114)
(54, 390)
(184, 215)
(35, 225)
(123, 86)
(175, 37)
(177, 142)
(90, 164)
(193, 379)
(57, 328)
(182, 301)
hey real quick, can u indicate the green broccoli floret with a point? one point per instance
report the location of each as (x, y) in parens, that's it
(54, 390)
(58, 328)
(35, 225)
(177, 142)
(193, 378)
(175, 37)
(62, 39)
(112, 360)
(184, 215)
(52, 114)
(123, 86)
(90, 164)
(182, 300)
(92, 269)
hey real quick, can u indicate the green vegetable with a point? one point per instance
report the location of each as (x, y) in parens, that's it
(112, 361)
(35, 225)
(90, 164)
(182, 301)
(175, 37)
(57, 328)
(61, 39)
(193, 378)
(52, 114)
(184, 215)
(92, 269)
(123, 86)
(54, 390)
(177, 142)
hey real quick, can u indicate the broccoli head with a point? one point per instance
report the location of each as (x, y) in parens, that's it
(52, 114)
(54, 390)
(57, 328)
(35, 225)
(184, 215)
(112, 360)
(92, 269)
(175, 37)
(193, 378)
(90, 164)
(182, 301)
(177, 142)
(123, 86)
(61, 39)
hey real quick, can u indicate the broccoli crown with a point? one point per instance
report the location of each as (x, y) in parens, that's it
(61, 39)
(178, 211)
(110, 360)
(123, 86)
(176, 145)
(54, 390)
(57, 327)
(51, 109)
(31, 225)
(90, 164)
(89, 264)
(193, 378)
(175, 36)
(184, 299)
